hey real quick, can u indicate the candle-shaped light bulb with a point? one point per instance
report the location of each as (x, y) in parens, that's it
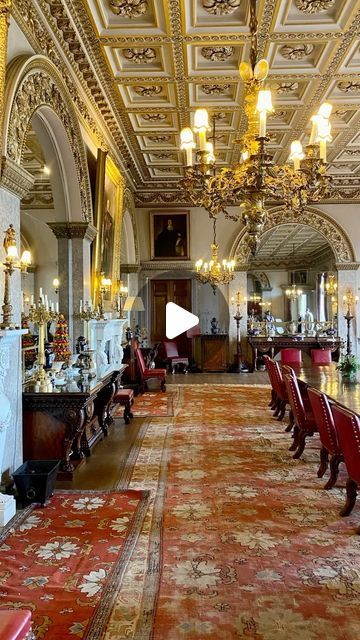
(26, 258)
(187, 144)
(325, 110)
(296, 153)
(201, 125)
(323, 136)
(12, 253)
(314, 129)
(210, 158)
(81, 306)
(264, 106)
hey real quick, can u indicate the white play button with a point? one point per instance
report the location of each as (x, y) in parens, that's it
(178, 320)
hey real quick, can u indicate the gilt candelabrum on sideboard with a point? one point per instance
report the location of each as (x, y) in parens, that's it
(10, 264)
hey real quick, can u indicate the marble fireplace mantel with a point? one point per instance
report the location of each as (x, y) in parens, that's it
(105, 339)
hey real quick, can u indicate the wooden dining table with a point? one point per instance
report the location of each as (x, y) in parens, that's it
(326, 378)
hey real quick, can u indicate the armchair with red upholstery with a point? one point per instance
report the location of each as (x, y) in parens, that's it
(173, 358)
(147, 374)
(15, 624)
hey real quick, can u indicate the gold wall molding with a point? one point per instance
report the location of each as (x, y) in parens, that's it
(5, 6)
(338, 240)
(15, 178)
(34, 83)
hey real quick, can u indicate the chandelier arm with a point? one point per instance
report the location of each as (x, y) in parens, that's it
(253, 31)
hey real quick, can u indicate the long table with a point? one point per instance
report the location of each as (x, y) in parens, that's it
(260, 345)
(327, 379)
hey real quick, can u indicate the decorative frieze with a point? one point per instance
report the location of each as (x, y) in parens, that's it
(15, 178)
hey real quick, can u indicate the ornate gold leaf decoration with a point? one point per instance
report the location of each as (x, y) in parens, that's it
(221, 7)
(348, 86)
(148, 92)
(215, 89)
(314, 6)
(154, 117)
(217, 54)
(283, 88)
(140, 56)
(296, 51)
(129, 8)
(159, 139)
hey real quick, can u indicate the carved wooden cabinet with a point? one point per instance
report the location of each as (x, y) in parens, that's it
(211, 352)
(64, 425)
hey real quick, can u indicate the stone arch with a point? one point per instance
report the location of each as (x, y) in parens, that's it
(34, 85)
(338, 240)
(129, 229)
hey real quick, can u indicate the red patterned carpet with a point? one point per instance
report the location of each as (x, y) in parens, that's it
(251, 544)
(65, 561)
(152, 404)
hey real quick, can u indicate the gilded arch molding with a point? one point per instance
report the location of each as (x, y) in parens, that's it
(33, 83)
(327, 226)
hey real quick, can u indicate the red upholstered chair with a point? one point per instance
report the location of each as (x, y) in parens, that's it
(125, 398)
(347, 426)
(280, 395)
(305, 424)
(15, 624)
(290, 356)
(173, 357)
(146, 374)
(320, 356)
(270, 372)
(328, 436)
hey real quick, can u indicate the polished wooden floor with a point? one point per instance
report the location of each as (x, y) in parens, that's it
(102, 470)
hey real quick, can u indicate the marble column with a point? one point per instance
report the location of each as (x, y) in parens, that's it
(238, 284)
(348, 278)
(74, 240)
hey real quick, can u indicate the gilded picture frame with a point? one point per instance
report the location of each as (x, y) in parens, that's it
(170, 235)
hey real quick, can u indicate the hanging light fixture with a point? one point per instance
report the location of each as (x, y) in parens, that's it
(331, 285)
(256, 179)
(214, 272)
(293, 293)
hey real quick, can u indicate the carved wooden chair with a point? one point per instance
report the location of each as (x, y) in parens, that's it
(304, 419)
(147, 374)
(347, 426)
(173, 358)
(328, 436)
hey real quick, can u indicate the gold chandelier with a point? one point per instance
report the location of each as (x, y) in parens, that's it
(293, 293)
(256, 179)
(214, 272)
(331, 285)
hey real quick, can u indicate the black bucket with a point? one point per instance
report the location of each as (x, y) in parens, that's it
(35, 480)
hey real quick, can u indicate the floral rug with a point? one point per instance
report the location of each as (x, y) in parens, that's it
(152, 404)
(65, 561)
(241, 541)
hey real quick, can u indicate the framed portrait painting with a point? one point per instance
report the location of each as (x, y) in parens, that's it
(170, 235)
(299, 277)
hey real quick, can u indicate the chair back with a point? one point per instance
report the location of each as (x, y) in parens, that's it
(141, 362)
(171, 349)
(290, 356)
(324, 420)
(194, 331)
(288, 371)
(279, 380)
(320, 356)
(270, 371)
(347, 426)
(295, 401)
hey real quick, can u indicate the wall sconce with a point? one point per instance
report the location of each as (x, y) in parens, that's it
(56, 284)
(11, 263)
(105, 284)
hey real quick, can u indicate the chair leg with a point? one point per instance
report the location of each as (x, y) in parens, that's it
(291, 422)
(324, 462)
(295, 441)
(163, 385)
(277, 408)
(301, 446)
(127, 413)
(273, 399)
(334, 470)
(351, 491)
(282, 410)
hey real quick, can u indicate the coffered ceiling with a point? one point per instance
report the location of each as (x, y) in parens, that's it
(156, 61)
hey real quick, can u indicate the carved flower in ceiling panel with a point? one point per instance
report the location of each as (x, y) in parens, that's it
(296, 51)
(154, 117)
(283, 88)
(341, 113)
(148, 92)
(164, 169)
(163, 155)
(217, 54)
(352, 152)
(140, 56)
(221, 7)
(159, 139)
(219, 115)
(349, 86)
(215, 89)
(128, 8)
(279, 115)
(314, 6)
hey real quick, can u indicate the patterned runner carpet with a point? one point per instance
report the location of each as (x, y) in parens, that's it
(241, 540)
(152, 404)
(65, 561)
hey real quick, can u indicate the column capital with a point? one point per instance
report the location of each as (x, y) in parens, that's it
(347, 266)
(71, 230)
(15, 178)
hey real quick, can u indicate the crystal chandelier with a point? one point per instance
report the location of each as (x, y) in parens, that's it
(214, 272)
(293, 293)
(256, 179)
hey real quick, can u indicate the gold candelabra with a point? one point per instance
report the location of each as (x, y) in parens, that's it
(87, 313)
(11, 263)
(122, 294)
(350, 301)
(40, 314)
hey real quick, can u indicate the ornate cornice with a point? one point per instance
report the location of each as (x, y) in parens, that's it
(129, 268)
(73, 230)
(15, 178)
(347, 266)
(167, 266)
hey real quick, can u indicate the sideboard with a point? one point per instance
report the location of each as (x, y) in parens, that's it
(211, 351)
(261, 344)
(64, 425)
